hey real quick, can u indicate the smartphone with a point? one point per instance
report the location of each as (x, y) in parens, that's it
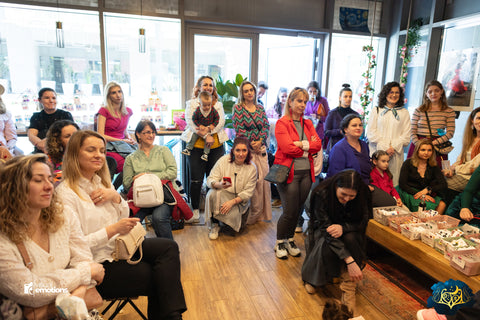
(227, 180)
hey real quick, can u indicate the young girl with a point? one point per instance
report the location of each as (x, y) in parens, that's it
(381, 177)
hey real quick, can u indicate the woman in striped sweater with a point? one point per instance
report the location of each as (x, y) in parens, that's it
(250, 121)
(440, 115)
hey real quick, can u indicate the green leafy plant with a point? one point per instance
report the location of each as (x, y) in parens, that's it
(407, 50)
(366, 97)
(228, 95)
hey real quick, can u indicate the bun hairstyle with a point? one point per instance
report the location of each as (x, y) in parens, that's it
(345, 87)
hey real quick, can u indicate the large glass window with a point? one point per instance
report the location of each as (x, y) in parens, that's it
(285, 61)
(30, 60)
(221, 56)
(347, 64)
(150, 81)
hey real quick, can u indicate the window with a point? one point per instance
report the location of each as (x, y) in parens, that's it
(150, 81)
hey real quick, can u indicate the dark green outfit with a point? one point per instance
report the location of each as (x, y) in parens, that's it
(469, 198)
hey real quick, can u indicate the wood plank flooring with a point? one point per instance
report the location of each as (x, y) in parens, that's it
(239, 278)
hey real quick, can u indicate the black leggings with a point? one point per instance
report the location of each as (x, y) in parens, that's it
(198, 169)
(156, 276)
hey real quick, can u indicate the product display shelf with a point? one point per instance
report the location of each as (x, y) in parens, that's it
(419, 254)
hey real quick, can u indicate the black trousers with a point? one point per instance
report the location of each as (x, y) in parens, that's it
(198, 170)
(156, 276)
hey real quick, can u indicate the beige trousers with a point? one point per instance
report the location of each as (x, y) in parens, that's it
(260, 207)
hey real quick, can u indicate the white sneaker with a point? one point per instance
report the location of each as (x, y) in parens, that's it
(281, 250)
(195, 218)
(292, 248)
(213, 234)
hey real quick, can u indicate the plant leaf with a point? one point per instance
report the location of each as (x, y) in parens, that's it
(231, 89)
(239, 79)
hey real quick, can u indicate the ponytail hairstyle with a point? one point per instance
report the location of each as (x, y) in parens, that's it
(376, 155)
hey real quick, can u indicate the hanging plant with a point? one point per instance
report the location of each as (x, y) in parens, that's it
(409, 49)
(366, 97)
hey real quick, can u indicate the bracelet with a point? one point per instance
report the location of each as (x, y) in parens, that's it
(350, 262)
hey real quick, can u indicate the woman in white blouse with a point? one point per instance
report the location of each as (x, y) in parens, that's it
(232, 182)
(389, 127)
(33, 221)
(103, 215)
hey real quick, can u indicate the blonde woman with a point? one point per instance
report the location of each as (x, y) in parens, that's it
(32, 218)
(103, 215)
(112, 120)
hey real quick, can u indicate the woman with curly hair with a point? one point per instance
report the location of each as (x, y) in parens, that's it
(34, 224)
(57, 139)
(389, 126)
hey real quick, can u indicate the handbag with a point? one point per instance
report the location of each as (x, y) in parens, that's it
(278, 173)
(126, 245)
(148, 191)
(444, 147)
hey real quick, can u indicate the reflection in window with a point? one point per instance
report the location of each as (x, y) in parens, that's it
(150, 81)
(30, 60)
(347, 65)
(285, 61)
(222, 56)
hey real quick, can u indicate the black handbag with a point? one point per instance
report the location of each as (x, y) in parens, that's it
(278, 173)
(442, 148)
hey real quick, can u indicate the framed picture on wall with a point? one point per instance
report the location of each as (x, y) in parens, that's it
(458, 73)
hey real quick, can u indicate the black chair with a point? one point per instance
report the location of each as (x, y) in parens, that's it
(122, 302)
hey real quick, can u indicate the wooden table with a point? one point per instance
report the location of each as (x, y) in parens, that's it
(419, 254)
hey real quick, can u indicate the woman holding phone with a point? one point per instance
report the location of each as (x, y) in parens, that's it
(250, 121)
(232, 182)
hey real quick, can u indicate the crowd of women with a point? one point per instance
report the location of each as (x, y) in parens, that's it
(85, 213)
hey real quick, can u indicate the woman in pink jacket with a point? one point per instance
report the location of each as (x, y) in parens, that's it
(297, 142)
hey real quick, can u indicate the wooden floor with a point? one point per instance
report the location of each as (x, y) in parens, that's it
(240, 278)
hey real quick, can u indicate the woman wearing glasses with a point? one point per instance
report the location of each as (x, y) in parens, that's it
(389, 126)
(150, 158)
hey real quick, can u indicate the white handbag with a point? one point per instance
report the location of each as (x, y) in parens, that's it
(147, 191)
(127, 244)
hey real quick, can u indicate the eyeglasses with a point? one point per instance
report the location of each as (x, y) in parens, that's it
(147, 133)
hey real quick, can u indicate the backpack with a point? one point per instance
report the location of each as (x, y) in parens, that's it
(147, 191)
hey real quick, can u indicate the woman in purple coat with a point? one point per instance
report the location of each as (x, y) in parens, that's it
(317, 108)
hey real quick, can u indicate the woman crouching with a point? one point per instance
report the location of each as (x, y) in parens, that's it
(232, 181)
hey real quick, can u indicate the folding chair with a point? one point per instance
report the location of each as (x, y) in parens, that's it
(121, 303)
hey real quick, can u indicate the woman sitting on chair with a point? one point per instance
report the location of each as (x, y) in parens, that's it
(103, 215)
(41, 245)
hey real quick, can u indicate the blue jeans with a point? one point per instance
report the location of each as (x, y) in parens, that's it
(160, 219)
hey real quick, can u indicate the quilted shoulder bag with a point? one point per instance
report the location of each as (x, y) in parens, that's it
(126, 245)
(442, 148)
(148, 191)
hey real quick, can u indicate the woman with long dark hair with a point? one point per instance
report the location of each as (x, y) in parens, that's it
(340, 209)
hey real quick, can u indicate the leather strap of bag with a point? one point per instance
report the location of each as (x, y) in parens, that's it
(429, 128)
(25, 256)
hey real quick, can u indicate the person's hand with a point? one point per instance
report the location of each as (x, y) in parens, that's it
(390, 151)
(429, 199)
(227, 206)
(125, 225)
(298, 144)
(354, 272)
(335, 230)
(221, 185)
(448, 173)
(371, 188)
(129, 141)
(399, 202)
(102, 195)
(209, 141)
(466, 214)
(5, 154)
(256, 145)
(202, 131)
(41, 145)
(420, 193)
(97, 272)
